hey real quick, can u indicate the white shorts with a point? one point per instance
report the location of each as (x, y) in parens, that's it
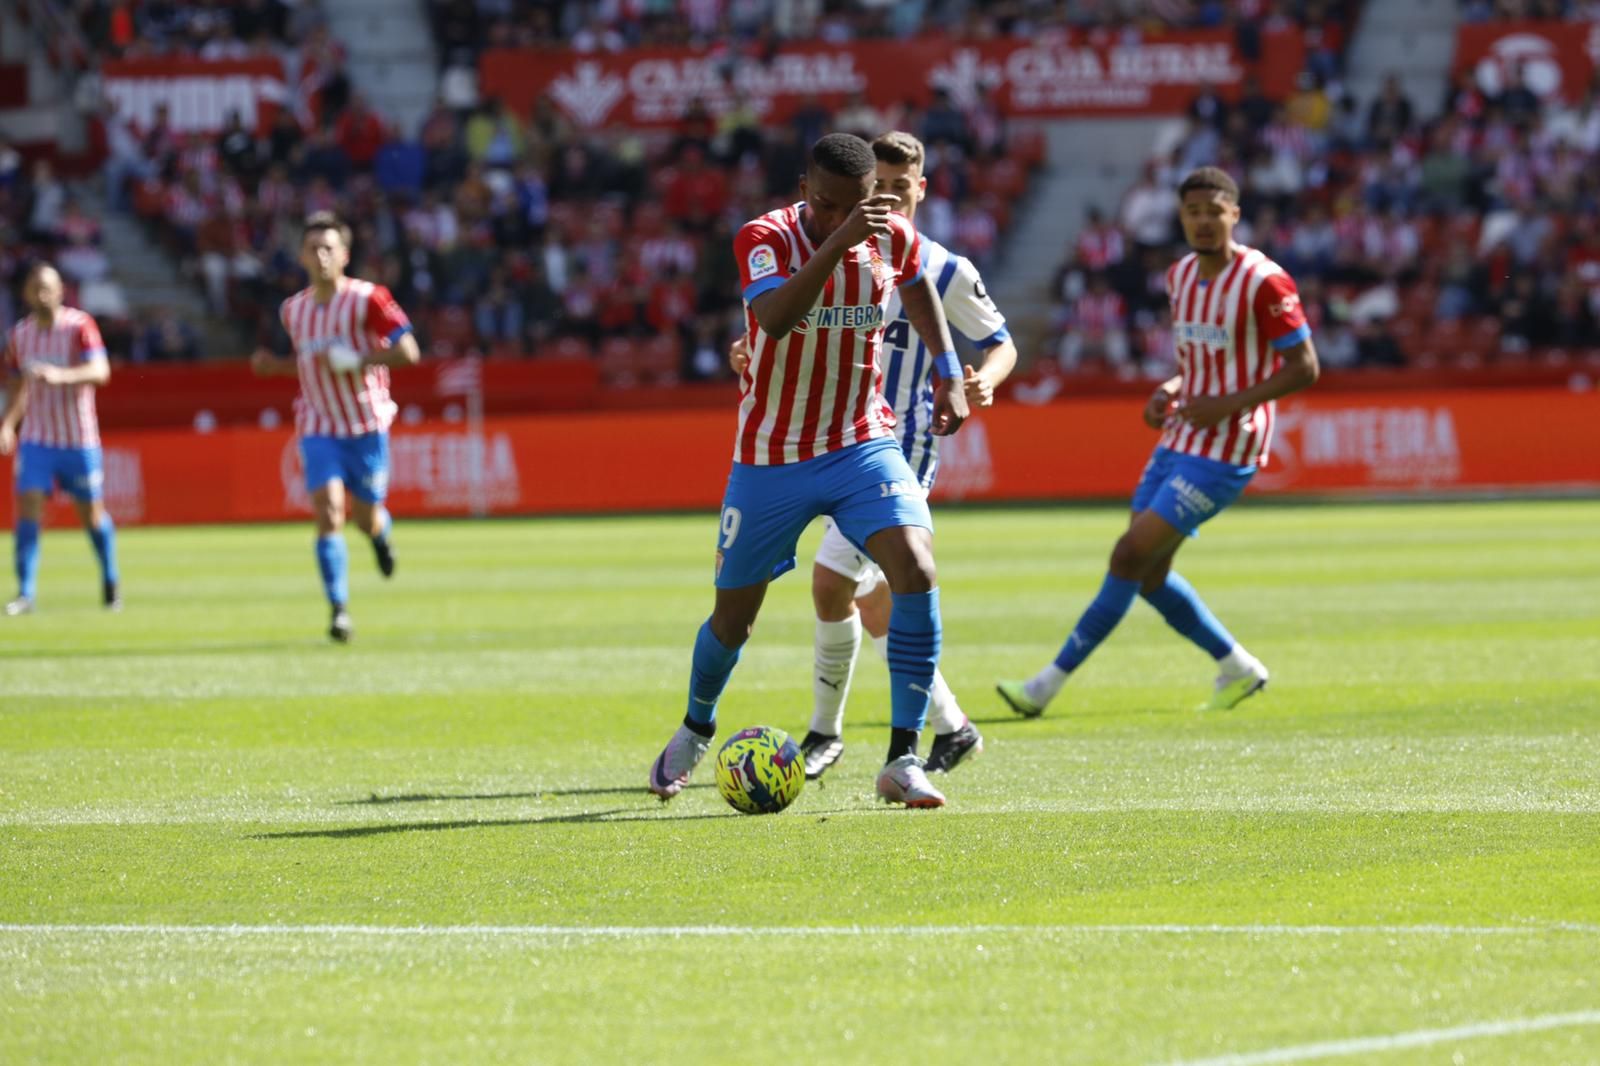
(836, 553)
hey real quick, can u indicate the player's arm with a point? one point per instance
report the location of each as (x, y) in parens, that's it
(264, 363)
(94, 370)
(397, 342)
(274, 354)
(1159, 407)
(781, 307)
(997, 363)
(970, 312)
(920, 299)
(16, 404)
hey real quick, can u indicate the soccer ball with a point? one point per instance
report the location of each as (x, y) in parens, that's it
(760, 770)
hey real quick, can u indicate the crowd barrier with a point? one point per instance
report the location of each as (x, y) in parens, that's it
(1378, 443)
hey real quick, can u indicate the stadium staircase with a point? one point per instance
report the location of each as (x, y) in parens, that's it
(1415, 39)
(391, 56)
(40, 57)
(1088, 163)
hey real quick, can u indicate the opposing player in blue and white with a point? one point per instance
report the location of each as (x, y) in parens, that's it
(847, 589)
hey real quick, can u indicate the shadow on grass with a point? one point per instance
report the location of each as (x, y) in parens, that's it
(616, 814)
(376, 800)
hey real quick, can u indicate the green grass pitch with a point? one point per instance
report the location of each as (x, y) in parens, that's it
(224, 840)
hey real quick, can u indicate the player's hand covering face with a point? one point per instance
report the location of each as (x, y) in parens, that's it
(845, 205)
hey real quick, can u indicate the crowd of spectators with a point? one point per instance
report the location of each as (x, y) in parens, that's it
(1454, 232)
(517, 234)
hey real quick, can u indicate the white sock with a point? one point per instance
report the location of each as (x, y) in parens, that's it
(836, 646)
(1043, 686)
(1238, 662)
(944, 714)
(882, 644)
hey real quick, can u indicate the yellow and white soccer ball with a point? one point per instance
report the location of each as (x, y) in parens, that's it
(760, 770)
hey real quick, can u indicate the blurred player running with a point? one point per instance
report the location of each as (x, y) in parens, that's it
(847, 588)
(345, 336)
(1242, 342)
(56, 360)
(815, 437)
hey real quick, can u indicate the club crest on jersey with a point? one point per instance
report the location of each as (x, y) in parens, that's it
(762, 262)
(880, 269)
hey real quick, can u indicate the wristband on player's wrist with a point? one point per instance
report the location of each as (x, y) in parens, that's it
(948, 366)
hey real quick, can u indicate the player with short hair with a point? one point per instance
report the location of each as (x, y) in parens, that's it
(345, 334)
(1242, 343)
(816, 437)
(55, 360)
(847, 588)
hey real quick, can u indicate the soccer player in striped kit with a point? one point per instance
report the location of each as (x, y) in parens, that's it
(56, 360)
(346, 334)
(815, 438)
(847, 588)
(1242, 343)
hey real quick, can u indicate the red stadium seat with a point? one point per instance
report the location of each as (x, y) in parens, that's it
(450, 332)
(565, 348)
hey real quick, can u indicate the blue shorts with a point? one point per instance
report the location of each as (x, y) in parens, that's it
(1186, 489)
(361, 463)
(864, 488)
(79, 471)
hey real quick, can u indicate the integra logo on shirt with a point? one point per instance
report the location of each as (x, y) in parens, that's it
(864, 318)
(1202, 333)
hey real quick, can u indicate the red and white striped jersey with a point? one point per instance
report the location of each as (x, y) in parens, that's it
(58, 416)
(1228, 333)
(818, 389)
(349, 403)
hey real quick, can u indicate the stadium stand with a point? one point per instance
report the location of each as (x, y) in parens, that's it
(1452, 233)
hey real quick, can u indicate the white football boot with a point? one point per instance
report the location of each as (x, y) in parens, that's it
(904, 781)
(670, 772)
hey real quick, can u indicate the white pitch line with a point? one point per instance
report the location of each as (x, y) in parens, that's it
(1330, 1049)
(640, 932)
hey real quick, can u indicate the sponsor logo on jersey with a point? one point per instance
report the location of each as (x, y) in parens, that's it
(762, 262)
(863, 317)
(1202, 333)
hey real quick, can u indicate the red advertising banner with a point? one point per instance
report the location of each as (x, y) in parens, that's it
(199, 94)
(1557, 59)
(616, 461)
(1047, 77)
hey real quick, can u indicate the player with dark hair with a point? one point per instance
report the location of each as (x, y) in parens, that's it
(1242, 343)
(345, 335)
(847, 588)
(56, 360)
(815, 437)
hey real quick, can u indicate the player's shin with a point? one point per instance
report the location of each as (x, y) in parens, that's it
(835, 646)
(333, 563)
(104, 539)
(1104, 613)
(915, 637)
(944, 714)
(26, 548)
(1186, 612)
(713, 664)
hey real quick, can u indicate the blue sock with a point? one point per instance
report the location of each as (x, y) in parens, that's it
(915, 636)
(27, 550)
(1186, 612)
(333, 559)
(104, 539)
(713, 664)
(1109, 606)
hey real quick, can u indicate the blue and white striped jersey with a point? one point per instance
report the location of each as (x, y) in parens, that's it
(907, 365)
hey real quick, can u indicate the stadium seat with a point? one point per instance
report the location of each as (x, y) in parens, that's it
(450, 332)
(399, 167)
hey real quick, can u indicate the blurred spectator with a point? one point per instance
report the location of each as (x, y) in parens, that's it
(166, 338)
